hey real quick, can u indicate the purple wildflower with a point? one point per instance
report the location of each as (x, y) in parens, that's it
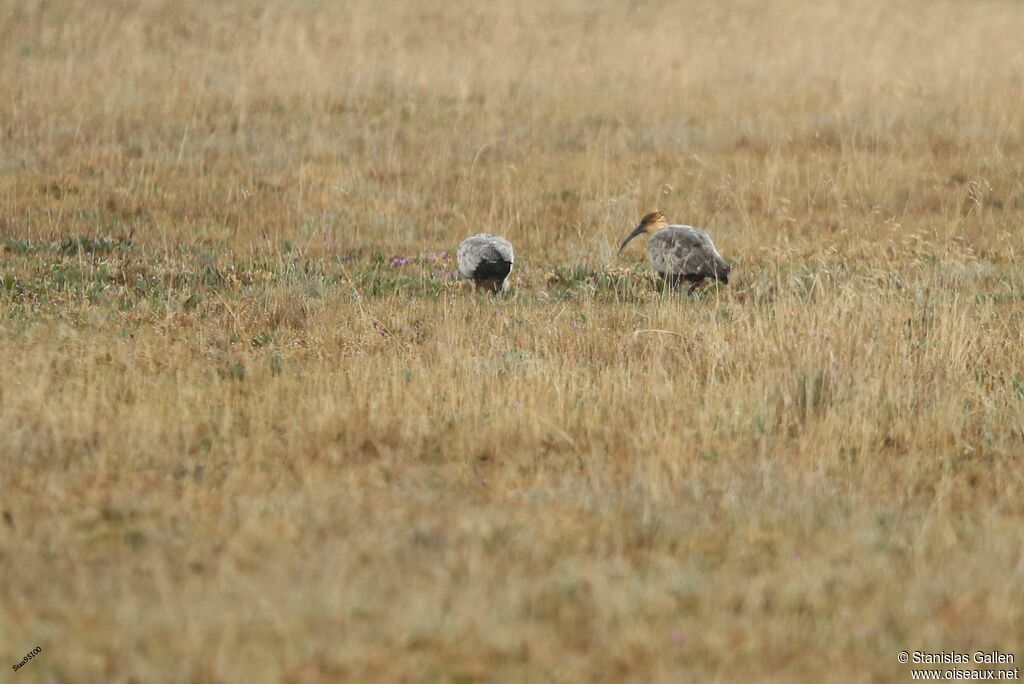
(400, 261)
(435, 257)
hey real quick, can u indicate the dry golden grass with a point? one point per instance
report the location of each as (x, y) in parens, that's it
(239, 445)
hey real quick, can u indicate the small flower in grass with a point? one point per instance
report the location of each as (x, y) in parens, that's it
(436, 257)
(400, 261)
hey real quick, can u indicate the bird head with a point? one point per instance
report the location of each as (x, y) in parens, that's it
(651, 223)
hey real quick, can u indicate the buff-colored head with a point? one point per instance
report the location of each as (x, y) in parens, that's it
(650, 224)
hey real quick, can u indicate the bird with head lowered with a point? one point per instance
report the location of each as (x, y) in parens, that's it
(680, 253)
(486, 261)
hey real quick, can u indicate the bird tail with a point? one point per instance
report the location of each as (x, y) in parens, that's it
(722, 270)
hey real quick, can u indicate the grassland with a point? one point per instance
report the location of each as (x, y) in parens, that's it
(251, 429)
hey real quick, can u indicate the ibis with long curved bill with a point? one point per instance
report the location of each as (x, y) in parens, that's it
(680, 253)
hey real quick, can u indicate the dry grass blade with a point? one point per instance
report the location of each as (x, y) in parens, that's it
(252, 430)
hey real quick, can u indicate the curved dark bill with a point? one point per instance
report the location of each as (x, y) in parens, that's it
(636, 231)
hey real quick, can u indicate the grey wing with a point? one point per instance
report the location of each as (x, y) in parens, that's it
(718, 267)
(678, 252)
(468, 257)
(687, 252)
(503, 248)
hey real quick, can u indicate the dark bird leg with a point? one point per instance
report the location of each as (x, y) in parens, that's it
(492, 285)
(696, 286)
(672, 281)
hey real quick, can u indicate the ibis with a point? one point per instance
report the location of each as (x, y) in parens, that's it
(680, 253)
(486, 261)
